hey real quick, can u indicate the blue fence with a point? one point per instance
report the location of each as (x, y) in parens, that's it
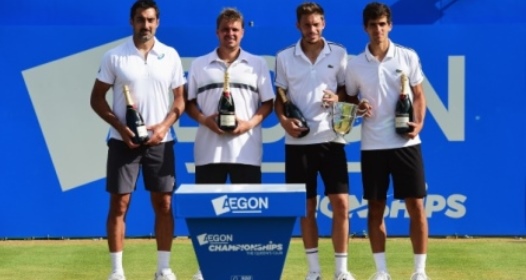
(52, 175)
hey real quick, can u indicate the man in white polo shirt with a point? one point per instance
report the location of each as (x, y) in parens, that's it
(310, 71)
(374, 77)
(152, 71)
(235, 155)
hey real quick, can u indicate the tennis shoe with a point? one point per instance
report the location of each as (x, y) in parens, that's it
(344, 276)
(313, 276)
(419, 276)
(380, 276)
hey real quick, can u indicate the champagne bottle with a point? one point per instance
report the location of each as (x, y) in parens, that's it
(134, 119)
(404, 108)
(226, 119)
(292, 111)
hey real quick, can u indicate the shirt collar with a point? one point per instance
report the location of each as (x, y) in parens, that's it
(156, 50)
(390, 52)
(213, 57)
(299, 51)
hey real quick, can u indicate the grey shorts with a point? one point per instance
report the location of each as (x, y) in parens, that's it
(404, 165)
(156, 163)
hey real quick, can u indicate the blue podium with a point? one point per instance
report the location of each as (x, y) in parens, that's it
(240, 231)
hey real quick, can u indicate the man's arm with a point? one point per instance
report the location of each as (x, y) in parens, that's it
(102, 108)
(419, 110)
(175, 112)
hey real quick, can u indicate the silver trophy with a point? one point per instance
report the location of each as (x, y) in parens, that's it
(343, 116)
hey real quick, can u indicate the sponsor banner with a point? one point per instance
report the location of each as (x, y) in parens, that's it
(473, 139)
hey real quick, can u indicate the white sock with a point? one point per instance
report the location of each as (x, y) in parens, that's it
(379, 260)
(312, 259)
(163, 261)
(340, 262)
(116, 263)
(420, 263)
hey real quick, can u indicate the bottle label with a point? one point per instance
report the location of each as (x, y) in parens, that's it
(401, 121)
(227, 120)
(142, 131)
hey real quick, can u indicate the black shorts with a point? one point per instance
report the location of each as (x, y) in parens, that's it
(304, 162)
(217, 173)
(157, 164)
(404, 165)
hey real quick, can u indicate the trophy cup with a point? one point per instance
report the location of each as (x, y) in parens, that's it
(343, 116)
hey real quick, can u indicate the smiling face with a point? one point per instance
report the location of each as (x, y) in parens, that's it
(311, 27)
(230, 32)
(144, 23)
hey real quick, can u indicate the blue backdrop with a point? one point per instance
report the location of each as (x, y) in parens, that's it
(52, 175)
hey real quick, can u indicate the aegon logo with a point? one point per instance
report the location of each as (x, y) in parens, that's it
(451, 206)
(239, 204)
(206, 238)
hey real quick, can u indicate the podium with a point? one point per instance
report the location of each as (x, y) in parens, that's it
(240, 231)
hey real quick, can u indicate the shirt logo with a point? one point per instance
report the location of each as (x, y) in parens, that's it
(330, 66)
(161, 56)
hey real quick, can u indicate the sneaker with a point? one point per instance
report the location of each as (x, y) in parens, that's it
(313, 276)
(380, 276)
(419, 276)
(116, 276)
(344, 276)
(165, 276)
(198, 276)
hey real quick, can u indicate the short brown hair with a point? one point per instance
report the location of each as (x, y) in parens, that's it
(230, 14)
(309, 8)
(376, 10)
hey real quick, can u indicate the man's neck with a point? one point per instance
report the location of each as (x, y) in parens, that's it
(144, 47)
(379, 50)
(228, 55)
(312, 50)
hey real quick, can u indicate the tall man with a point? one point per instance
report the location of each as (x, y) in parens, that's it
(152, 71)
(310, 71)
(374, 77)
(235, 154)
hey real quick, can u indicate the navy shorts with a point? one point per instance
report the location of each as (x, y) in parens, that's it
(304, 162)
(404, 165)
(157, 164)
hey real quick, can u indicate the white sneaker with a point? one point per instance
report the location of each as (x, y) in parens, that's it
(165, 276)
(344, 276)
(419, 276)
(380, 276)
(116, 276)
(198, 276)
(313, 276)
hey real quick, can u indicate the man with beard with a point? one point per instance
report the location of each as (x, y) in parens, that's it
(310, 71)
(221, 154)
(152, 71)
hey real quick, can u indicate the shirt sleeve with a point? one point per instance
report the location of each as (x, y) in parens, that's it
(340, 78)
(351, 85)
(280, 74)
(178, 78)
(192, 85)
(266, 92)
(416, 75)
(106, 73)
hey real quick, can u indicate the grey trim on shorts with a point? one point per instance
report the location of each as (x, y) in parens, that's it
(156, 163)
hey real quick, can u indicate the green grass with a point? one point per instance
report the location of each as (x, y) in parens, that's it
(448, 259)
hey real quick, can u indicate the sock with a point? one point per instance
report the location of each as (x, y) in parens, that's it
(340, 262)
(163, 261)
(312, 259)
(379, 260)
(420, 263)
(116, 263)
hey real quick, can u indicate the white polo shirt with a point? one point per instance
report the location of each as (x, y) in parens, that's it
(250, 85)
(305, 82)
(151, 81)
(379, 83)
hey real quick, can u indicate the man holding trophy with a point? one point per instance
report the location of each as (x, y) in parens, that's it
(386, 80)
(308, 73)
